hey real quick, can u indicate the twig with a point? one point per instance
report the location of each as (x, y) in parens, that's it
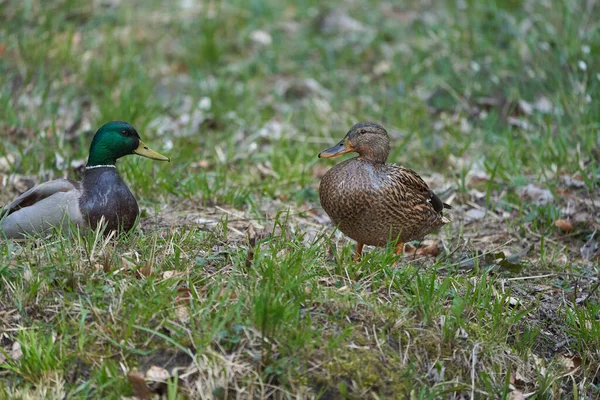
(473, 362)
(521, 278)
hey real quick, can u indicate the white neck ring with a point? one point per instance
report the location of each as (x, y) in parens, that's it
(100, 166)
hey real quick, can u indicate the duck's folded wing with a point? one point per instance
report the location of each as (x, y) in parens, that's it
(412, 183)
(51, 205)
(39, 193)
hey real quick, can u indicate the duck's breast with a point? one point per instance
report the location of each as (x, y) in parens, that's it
(105, 195)
(351, 194)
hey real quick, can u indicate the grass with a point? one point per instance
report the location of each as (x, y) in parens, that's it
(483, 98)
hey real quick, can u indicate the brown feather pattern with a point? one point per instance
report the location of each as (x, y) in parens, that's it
(374, 203)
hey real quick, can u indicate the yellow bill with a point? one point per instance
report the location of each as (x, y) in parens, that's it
(145, 151)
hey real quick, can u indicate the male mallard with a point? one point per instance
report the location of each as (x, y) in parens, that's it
(373, 202)
(101, 194)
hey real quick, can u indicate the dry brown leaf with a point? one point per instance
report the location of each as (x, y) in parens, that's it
(518, 379)
(429, 250)
(564, 225)
(571, 363)
(138, 384)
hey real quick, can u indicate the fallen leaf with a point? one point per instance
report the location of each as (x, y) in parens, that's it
(536, 195)
(516, 395)
(182, 314)
(573, 181)
(475, 214)
(157, 374)
(518, 379)
(430, 249)
(513, 301)
(169, 274)
(570, 363)
(564, 225)
(138, 384)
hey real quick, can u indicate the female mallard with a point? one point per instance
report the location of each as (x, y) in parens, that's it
(373, 202)
(101, 195)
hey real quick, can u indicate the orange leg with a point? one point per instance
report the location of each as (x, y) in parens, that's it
(358, 253)
(399, 248)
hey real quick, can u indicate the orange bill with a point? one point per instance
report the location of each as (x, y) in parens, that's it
(345, 146)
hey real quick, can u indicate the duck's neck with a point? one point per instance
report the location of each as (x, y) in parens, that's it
(92, 174)
(372, 156)
(101, 154)
(100, 159)
(376, 152)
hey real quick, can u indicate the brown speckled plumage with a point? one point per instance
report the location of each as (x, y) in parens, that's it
(373, 202)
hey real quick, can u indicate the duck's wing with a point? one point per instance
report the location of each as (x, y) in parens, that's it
(38, 193)
(413, 188)
(42, 208)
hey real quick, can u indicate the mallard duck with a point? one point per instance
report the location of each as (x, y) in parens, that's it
(373, 202)
(100, 196)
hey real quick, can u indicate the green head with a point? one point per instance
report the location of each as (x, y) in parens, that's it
(115, 140)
